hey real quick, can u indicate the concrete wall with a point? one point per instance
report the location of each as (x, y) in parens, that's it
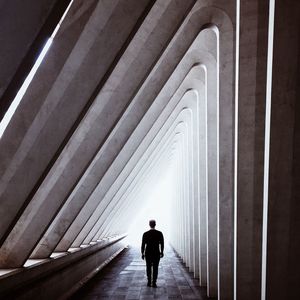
(58, 278)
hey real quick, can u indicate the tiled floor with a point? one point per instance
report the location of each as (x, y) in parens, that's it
(125, 278)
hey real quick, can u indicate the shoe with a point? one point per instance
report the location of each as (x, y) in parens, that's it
(149, 283)
(154, 285)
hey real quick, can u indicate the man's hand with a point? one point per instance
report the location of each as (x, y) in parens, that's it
(143, 256)
(161, 254)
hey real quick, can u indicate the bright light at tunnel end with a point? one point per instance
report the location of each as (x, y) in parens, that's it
(158, 206)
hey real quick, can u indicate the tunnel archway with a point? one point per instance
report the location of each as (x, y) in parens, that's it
(154, 109)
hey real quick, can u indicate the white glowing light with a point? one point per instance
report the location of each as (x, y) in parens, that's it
(158, 207)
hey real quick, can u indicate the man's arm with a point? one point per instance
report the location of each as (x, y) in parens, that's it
(162, 245)
(143, 246)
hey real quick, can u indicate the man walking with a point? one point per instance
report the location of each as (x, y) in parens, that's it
(152, 249)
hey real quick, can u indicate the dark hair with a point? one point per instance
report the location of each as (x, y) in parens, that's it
(152, 223)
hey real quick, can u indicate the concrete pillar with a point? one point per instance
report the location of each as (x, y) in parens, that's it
(226, 153)
(175, 238)
(212, 179)
(195, 180)
(185, 211)
(282, 222)
(251, 129)
(190, 186)
(203, 185)
(182, 198)
(212, 192)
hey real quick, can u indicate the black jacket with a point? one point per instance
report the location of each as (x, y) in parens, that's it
(151, 241)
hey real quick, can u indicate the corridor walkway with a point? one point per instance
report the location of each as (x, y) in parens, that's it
(125, 278)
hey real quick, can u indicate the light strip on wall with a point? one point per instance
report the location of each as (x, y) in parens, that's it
(237, 61)
(218, 162)
(267, 148)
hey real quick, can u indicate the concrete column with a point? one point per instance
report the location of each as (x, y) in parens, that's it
(203, 186)
(212, 196)
(281, 280)
(226, 33)
(251, 130)
(181, 199)
(175, 241)
(184, 203)
(180, 216)
(212, 180)
(183, 148)
(178, 224)
(195, 181)
(190, 185)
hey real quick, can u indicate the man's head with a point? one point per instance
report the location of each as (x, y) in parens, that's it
(152, 223)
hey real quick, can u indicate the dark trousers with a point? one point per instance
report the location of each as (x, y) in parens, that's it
(152, 264)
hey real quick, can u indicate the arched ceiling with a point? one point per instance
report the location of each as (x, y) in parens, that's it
(122, 96)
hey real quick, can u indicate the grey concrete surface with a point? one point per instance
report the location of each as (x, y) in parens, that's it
(152, 28)
(50, 185)
(22, 40)
(126, 279)
(283, 241)
(56, 278)
(251, 130)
